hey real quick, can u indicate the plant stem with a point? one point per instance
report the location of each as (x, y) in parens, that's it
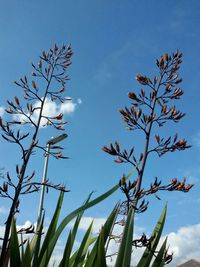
(21, 178)
(146, 148)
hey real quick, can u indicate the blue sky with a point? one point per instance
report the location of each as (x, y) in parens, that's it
(112, 42)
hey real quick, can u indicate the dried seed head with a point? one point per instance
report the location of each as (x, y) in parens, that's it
(59, 117)
(139, 112)
(17, 100)
(123, 181)
(132, 95)
(34, 84)
(55, 47)
(117, 147)
(166, 56)
(161, 61)
(142, 79)
(119, 160)
(40, 64)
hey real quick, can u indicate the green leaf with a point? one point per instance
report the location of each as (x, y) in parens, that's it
(90, 242)
(72, 236)
(107, 230)
(147, 255)
(26, 260)
(35, 244)
(160, 258)
(48, 248)
(14, 246)
(125, 249)
(52, 227)
(67, 251)
(81, 252)
(101, 255)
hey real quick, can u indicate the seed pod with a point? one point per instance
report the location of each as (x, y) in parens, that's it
(9, 110)
(132, 95)
(178, 81)
(157, 138)
(123, 181)
(34, 84)
(40, 64)
(139, 112)
(182, 142)
(17, 100)
(133, 110)
(44, 55)
(17, 169)
(55, 47)
(141, 157)
(155, 79)
(62, 90)
(161, 61)
(168, 88)
(5, 187)
(117, 147)
(107, 150)
(59, 117)
(164, 109)
(188, 187)
(119, 160)
(166, 56)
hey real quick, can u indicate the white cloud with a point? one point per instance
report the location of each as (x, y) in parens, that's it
(185, 244)
(67, 107)
(86, 221)
(27, 224)
(3, 210)
(113, 246)
(51, 109)
(2, 110)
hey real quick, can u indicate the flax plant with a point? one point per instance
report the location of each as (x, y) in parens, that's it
(152, 108)
(48, 81)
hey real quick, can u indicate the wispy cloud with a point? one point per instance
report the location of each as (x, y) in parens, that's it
(86, 221)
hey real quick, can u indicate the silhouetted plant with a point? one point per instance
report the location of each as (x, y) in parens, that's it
(49, 81)
(151, 109)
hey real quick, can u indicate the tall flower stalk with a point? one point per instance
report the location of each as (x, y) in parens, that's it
(48, 82)
(151, 109)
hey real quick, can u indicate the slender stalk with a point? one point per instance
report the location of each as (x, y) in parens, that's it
(146, 147)
(21, 178)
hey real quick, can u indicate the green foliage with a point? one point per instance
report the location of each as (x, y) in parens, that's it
(92, 251)
(125, 249)
(147, 256)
